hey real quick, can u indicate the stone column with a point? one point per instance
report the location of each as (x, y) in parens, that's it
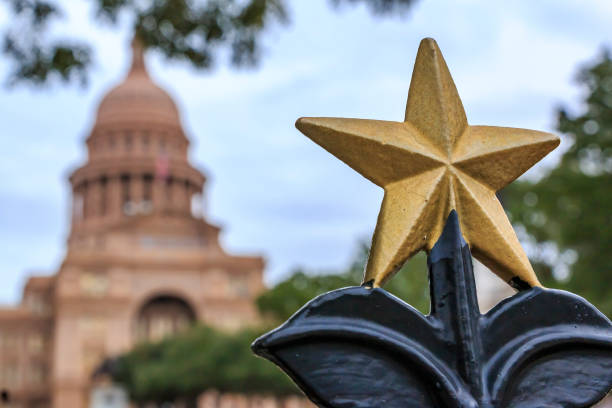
(103, 200)
(193, 191)
(208, 400)
(177, 195)
(241, 401)
(233, 401)
(87, 203)
(77, 206)
(159, 194)
(114, 209)
(168, 185)
(264, 402)
(188, 191)
(136, 192)
(93, 191)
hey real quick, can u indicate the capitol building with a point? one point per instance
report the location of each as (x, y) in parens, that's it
(141, 261)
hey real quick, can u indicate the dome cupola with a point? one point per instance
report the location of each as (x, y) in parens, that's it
(137, 156)
(137, 118)
(137, 101)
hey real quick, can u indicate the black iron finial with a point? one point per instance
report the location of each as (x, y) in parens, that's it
(362, 347)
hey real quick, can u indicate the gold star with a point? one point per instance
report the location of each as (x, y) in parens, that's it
(431, 163)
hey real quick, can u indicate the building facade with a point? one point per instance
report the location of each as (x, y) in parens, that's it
(141, 261)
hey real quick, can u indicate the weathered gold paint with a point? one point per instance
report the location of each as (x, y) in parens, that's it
(431, 163)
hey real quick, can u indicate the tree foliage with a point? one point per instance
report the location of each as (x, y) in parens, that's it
(568, 213)
(200, 359)
(195, 31)
(410, 284)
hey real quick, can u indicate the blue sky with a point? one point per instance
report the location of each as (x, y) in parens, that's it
(273, 190)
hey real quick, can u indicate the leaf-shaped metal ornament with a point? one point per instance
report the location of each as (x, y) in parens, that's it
(363, 347)
(557, 349)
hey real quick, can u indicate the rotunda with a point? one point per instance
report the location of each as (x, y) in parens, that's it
(137, 157)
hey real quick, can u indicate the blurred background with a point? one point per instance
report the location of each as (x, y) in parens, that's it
(132, 191)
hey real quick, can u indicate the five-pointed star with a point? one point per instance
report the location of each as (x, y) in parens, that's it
(431, 163)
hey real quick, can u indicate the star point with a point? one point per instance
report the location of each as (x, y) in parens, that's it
(431, 163)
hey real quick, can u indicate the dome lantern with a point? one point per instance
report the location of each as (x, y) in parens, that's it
(134, 108)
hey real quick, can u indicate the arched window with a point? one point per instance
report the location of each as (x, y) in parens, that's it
(163, 316)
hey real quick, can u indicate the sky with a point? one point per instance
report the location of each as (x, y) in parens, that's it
(272, 190)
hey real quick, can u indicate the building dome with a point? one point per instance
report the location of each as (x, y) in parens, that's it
(137, 101)
(137, 160)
